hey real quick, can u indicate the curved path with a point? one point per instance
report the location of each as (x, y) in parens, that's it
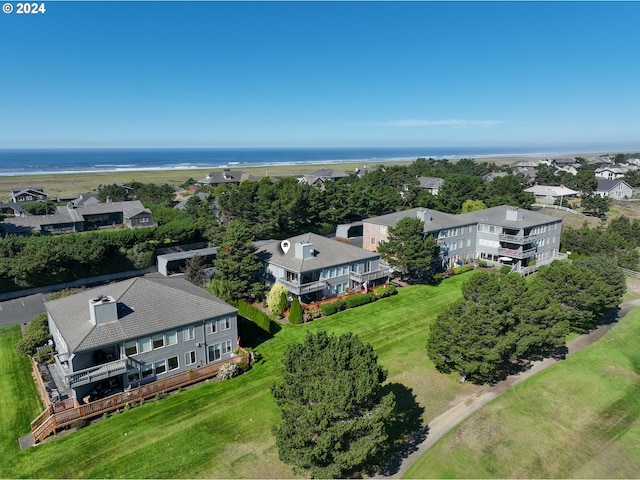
(445, 422)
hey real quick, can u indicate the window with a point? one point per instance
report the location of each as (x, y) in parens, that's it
(144, 219)
(225, 324)
(468, 242)
(160, 367)
(214, 352)
(190, 357)
(172, 337)
(145, 345)
(147, 371)
(211, 327)
(470, 229)
(453, 245)
(226, 347)
(133, 375)
(131, 348)
(158, 340)
(373, 240)
(383, 229)
(172, 363)
(189, 333)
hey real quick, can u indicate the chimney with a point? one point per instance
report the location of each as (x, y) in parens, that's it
(514, 214)
(424, 215)
(304, 250)
(103, 309)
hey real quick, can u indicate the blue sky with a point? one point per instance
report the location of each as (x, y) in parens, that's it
(208, 74)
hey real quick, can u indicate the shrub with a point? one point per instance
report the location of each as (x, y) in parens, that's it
(228, 370)
(328, 309)
(277, 301)
(295, 312)
(340, 305)
(385, 291)
(360, 299)
(505, 269)
(37, 334)
(482, 263)
(463, 269)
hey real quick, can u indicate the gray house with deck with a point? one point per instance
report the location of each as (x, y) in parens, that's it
(121, 335)
(312, 266)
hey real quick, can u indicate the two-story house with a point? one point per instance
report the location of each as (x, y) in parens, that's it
(28, 194)
(312, 266)
(132, 332)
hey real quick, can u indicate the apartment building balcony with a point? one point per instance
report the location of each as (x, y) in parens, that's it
(517, 253)
(370, 276)
(297, 289)
(518, 240)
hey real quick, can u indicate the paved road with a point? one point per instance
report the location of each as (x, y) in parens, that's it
(21, 310)
(445, 422)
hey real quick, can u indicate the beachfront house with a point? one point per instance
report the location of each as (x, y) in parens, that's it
(616, 189)
(500, 235)
(28, 194)
(227, 177)
(312, 266)
(124, 334)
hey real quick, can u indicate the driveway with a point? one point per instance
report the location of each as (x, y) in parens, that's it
(445, 422)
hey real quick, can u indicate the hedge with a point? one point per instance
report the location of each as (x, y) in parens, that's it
(257, 316)
(360, 299)
(463, 269)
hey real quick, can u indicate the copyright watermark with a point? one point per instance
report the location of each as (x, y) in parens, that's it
(7, 8)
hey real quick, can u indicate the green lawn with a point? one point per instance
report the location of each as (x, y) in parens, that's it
(223, 429)
(578, 419)
(20, 400)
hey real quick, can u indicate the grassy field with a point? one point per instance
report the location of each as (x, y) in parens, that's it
(223, 429)
(20, 400)
(577, 419)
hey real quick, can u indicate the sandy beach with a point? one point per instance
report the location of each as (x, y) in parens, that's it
(70, 184)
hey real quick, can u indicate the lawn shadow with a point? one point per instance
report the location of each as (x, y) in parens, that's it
(407, 431)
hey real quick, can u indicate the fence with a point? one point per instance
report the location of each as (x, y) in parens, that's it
(61, 414)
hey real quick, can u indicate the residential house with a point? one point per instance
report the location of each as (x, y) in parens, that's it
(616, 189)
(28, 194)
(549, 194)
(500, 235)
(489, 177)
(11, 209)
(526, 168)
(72, 218)
(431, 184)
(128, 333)
(227, 177)
(613, 172)
(319, 177)
(312, 266)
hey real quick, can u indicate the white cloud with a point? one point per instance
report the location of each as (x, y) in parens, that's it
(438, 123)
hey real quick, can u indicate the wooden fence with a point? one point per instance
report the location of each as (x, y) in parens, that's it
(61, 414)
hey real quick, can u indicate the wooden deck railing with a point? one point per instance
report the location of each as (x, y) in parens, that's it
(64, 413)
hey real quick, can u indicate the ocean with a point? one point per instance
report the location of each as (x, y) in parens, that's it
(52, 161)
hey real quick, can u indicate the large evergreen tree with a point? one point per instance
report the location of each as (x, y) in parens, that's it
(407, 248)
(334, 417)
(237, 262)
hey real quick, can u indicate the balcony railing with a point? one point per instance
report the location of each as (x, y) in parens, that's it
(93, 374)
(370, 276)
(518, 240)
(510, 252)
(297, 289)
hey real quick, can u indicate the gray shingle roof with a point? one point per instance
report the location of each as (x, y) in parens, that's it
(606, 185)
(328, 253)
(430, 182)
(145, 306)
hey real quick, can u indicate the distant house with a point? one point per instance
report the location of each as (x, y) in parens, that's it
(227, 177)
(500, 235)
(318, 177)
(181, 205)
(614, 171)
(85, 199)
(312, 266)
(28, 194)
(11, 209)
(124, 334)
(614, 188)
(490, 177)
(431, 184)
(72, 218)
(361, 172)
(548, 194)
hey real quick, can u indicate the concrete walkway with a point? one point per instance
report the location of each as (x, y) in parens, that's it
(444, 423)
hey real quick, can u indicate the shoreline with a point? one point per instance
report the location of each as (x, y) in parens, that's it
(63, 184)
